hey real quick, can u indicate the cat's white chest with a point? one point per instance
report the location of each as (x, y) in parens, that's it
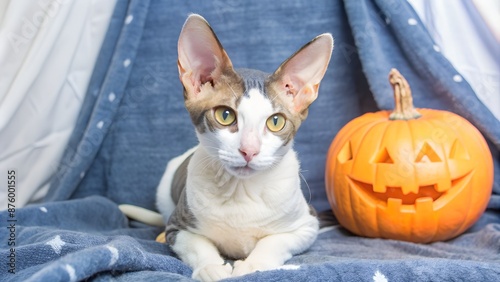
(235, 227)
(235, 213)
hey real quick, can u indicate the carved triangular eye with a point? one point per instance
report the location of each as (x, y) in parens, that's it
(383, 157)
(458, 151)
(345, 153)
(427, 155)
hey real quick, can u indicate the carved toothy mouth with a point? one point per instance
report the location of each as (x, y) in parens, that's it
(395, 194)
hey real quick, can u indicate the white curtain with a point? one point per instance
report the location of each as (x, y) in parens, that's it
(48, 49)
(468, 34)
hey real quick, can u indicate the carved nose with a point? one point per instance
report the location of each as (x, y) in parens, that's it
(248, 154)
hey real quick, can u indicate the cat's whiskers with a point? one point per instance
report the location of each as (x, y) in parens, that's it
(202, 165)
(288, 136)
(206, 146)
(232, 90)
(282, 94)
(275, 97)
(218, 162)
(220, 171)
(205, 163)
(274, 164)
(307, 185)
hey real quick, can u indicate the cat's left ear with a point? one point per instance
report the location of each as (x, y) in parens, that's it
(202, 59)
(300, 75)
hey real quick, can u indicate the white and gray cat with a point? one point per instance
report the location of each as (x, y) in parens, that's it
(237, 194)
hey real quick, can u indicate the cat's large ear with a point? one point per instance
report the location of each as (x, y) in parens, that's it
(201, 56)
(300, 75)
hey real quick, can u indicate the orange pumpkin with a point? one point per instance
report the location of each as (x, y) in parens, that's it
(415, 175)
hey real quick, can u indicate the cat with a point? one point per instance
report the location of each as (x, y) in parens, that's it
(237, 194)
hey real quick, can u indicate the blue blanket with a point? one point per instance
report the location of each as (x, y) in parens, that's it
(120, 146)
(90, 238)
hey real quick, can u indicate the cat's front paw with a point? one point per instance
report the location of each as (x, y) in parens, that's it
(213, 272)
(242, 267)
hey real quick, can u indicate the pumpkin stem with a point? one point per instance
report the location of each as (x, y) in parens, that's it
(403, 109)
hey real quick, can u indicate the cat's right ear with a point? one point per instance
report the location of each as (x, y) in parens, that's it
(202, 60)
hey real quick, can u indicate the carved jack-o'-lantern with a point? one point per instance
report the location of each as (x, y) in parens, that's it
(411, 175)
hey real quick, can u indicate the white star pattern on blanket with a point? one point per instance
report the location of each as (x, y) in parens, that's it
(129, 19)
(114, 255)
(412, 21)
(71, 272)
(56, 244)
(457, 78)
(379, 277)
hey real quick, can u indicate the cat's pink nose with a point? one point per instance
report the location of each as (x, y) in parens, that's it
(248, 154)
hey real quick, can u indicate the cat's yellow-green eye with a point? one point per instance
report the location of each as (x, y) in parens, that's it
(225, 116)
(276, 122)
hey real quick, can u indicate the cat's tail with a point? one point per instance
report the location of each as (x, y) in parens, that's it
(164, 202)
(143, 215)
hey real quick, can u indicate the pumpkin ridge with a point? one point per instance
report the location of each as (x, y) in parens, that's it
(356, 227)
(367, 127)
(456, 230)
(435, 155)
(348, 132)
(432, 124)
(463, 226)
(445, 159)
(467, 177)
(411, 137)
(367, 131)
(382, 141)
(436, 122)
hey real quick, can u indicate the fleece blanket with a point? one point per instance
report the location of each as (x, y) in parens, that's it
(133, 121)
(91, 239)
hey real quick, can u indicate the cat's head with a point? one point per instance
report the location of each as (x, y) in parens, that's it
(246, 118)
